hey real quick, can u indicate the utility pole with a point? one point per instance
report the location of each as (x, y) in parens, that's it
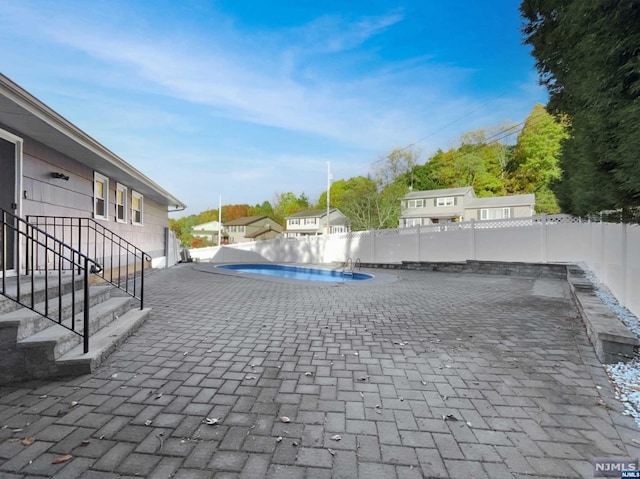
(328, 191)
(220, 221)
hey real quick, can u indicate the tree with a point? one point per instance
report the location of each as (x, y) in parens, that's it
(477, 162)
(286, 204)
(586, 52)
(534, 167)
(358, 203)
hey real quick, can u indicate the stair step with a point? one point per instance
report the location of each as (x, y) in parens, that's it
(27, 322)
(101, 344)
(8, 303)
(55, 340)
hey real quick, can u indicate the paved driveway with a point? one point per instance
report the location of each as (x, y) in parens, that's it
(433, 375)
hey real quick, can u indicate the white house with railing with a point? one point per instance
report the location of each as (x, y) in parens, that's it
(314, 222)
(420, 208)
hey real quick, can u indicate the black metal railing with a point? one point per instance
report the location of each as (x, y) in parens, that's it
(122, 263)
(20, 239)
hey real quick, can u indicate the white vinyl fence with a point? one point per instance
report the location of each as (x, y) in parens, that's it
(611, 251)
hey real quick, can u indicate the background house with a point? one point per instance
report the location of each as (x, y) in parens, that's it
(460, 204)
(314, 222)
(208, 231)
(250, 228)
(50, 168)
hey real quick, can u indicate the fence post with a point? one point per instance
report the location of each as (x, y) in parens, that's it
(603, 269)
(623, 265)
(472, 236)
(544, 238)
(419, 258)
(373, 245)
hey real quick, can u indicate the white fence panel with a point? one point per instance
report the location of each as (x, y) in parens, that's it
(566, 243)
(452, 245)
(631, 295)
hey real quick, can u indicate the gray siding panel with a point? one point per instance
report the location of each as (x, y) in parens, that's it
(47, 196)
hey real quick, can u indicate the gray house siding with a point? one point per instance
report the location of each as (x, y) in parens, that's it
(46, 196)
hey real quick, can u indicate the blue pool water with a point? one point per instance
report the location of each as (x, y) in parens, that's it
(296, 272)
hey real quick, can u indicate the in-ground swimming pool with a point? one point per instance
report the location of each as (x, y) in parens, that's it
(297, 272)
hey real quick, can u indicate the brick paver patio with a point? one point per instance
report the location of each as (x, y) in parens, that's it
(434, 375)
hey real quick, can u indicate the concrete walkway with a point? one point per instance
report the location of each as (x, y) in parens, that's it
(433, 375)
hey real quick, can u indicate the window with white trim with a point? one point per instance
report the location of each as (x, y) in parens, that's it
(448, 201)
(294, 221)
(415, 203)
(410, 222)
(310, 221)
(136, 208)
(121, 203)
(100, 196)
(495, 213)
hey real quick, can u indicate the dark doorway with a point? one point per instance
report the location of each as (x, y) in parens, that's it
(7, 201)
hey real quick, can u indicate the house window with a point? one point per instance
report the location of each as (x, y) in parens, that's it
(495, 213)
(136, 208)
(448, 201)
(310, 221)
(416, 203)
(100, 191)
(295, 221)
(409, 222)
(121, 203)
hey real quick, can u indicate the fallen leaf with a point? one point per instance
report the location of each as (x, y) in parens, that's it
(185, 353)
(449, 417)
(401, 398)
(308, 374)
(469, 424)
(332, 452)
(44, 396)
(279, 439)
(295, 444)
(148, 422)
(284, 419)
(361, 394)
(636, 441)
(158, 396)
(17, 430)
(61, 459)
(336, 437)
(212, 421)
(363, 378)
(114, 375)
(250, 377)
(86, 442)
(27, 441)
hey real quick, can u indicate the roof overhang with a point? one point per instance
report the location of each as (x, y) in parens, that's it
(28, 116)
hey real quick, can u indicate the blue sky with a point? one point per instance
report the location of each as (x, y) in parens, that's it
(247, 99)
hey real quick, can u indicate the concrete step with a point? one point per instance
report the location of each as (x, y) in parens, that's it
(37, 283)
(21, 323)
(44, 347)
(101, 344)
